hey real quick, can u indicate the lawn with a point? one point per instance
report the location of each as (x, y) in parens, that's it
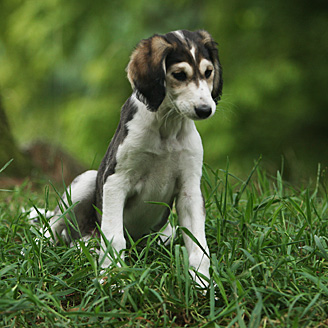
(268, 243)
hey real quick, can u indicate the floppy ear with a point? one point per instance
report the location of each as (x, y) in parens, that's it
(211, 47)
(146, 70)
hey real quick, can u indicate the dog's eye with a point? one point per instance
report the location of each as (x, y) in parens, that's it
(181, 76)
(208, 73)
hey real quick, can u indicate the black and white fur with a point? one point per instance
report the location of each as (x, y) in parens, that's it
(156, 154)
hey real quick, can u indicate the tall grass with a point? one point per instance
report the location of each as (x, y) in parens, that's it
(268, 244)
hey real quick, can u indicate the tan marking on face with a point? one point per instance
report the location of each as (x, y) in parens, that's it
(205, 66)
(194, 91)
(181, 67)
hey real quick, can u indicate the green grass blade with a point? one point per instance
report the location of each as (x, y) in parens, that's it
(6, 165)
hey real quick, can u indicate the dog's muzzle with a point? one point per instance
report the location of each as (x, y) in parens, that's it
(203, 111)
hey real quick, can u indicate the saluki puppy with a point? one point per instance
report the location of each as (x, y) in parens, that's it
(156, 154)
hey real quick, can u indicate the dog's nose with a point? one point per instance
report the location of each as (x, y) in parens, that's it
(203, 111)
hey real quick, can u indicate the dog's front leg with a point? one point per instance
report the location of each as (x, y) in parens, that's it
(114, 195)
(191, 213)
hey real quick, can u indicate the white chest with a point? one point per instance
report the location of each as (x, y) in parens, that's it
(149, 164)
(152, 177)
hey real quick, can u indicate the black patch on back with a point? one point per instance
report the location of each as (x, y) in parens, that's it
(108, 164)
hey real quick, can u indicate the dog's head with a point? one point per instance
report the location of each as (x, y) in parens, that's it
(180, 70)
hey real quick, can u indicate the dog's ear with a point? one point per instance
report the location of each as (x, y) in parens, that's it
(211, 47)
(146, 70)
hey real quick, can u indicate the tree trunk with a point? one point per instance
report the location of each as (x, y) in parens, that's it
(21, 166)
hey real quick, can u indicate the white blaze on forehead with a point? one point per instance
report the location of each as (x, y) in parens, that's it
(179, 34)
(193, 52)
(204, 65)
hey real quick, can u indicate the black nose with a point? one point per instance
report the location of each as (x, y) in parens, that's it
(203, 111)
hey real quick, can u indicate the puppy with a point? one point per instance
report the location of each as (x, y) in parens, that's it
(156, 154)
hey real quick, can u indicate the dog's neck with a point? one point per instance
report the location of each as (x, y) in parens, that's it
(166, 120)
(171, 123)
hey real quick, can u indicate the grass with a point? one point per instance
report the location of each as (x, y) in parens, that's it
(269, 251)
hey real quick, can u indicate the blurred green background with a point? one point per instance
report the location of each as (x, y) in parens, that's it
(63, 80)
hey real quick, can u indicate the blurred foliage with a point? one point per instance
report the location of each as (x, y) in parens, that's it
(62, 73)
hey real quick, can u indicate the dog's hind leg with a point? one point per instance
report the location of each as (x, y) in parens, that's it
(77, 205)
